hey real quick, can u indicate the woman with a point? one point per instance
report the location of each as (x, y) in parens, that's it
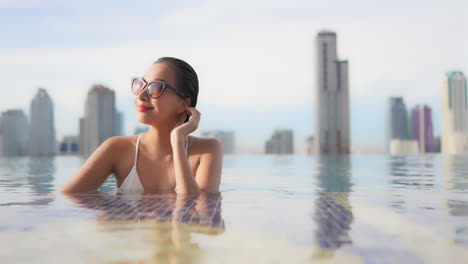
(168, 158)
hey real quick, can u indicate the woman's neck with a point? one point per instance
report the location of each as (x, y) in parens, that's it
(158, 141)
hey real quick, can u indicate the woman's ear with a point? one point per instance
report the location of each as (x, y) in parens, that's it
(188, 100)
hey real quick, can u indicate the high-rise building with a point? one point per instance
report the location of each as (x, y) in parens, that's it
(454, 137)
(119, 124)
(281, 142)
(397, 120)
(99, 120)
(225, 137)
(421, 123)
(437, 143)
(14, 127)
(332, 134)
(42, 129)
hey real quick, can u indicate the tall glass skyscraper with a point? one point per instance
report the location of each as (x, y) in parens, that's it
(454, 113)
(332, 131)
(397, 119)
(42, 140)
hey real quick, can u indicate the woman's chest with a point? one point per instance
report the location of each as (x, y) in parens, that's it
(154, 175)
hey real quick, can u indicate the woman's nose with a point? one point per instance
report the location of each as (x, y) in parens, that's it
(143, 95)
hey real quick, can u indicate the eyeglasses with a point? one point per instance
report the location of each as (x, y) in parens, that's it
(154, 88)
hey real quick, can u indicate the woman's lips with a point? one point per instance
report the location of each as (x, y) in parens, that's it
(143, 108)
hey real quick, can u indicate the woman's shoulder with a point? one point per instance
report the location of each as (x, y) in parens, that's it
(205, 145)
(117, 143)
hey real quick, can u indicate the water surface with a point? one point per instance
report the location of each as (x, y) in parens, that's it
(271, 209)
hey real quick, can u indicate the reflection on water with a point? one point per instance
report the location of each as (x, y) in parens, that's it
(39, 179)
(333, 211)
(205, 211)
(412, 172)
(168, 222)
(455, 172)
(41, 175)
(456, 180)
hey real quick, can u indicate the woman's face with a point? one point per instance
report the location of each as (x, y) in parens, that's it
(165, 109)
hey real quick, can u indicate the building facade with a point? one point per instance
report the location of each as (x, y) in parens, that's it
(454, 138)
(227, 139)
(69, 145)
(281, 142)
(397, 120)
(14, 127)
(99, 122)
(42, 140)
(422, 131)
(332, 135)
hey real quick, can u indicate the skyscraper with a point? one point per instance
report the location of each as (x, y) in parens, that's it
(281, 142)
(42, 129)
(99, 120)
(332, 135)
(421, 121)
(119, 123)
(397, 120)
(225, 137)
(454, 137)
(14, 127)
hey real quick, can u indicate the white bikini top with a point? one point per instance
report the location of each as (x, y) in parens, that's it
(132, 184)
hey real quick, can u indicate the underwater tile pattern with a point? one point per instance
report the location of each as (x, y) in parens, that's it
(206, 211)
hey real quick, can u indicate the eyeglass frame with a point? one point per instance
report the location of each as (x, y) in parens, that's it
(147, 84)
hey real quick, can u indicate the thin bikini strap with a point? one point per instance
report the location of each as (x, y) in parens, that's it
(136, 149)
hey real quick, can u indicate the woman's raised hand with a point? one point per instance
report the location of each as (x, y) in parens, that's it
(182, 129)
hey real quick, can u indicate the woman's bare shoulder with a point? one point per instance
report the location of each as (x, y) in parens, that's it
(122, 143)
(204, 145)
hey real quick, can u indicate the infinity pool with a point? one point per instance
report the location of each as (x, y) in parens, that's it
(271, 209)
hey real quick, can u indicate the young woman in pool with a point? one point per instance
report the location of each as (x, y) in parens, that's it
(165, 158)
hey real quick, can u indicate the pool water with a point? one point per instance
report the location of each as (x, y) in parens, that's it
(271, 209)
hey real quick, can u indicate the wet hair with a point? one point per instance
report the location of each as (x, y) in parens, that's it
(187, 79)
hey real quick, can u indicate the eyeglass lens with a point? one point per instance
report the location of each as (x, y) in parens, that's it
(154, 88)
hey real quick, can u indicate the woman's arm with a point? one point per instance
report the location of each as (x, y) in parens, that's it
(208, 175)
(95, 170)
(185, 181)
(211, 161)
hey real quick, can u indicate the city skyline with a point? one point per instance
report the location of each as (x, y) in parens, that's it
(402, 125)
(386, 43)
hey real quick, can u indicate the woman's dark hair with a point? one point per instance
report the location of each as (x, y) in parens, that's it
(187, 79)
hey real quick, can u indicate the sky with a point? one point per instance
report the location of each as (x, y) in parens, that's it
(255, 59)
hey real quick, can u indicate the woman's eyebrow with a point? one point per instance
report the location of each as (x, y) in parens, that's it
(157, 79)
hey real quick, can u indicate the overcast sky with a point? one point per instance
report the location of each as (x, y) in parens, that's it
(255, 59)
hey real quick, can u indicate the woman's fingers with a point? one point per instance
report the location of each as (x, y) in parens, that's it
(193, 112)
